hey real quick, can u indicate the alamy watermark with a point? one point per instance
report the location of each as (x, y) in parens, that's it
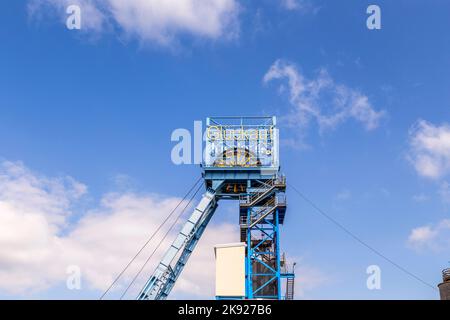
(73, 21)
(73, 281)
(226, 146)
(374, 279)
(374, 20)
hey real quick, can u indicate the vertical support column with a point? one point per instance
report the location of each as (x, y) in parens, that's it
(263, 258)
(277, 252)
(248, 258)
(248, 263)
(262, 235)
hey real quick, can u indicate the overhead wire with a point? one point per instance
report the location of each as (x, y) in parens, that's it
(160, 242)
(310, 202)
(362, 242)
(149, 239)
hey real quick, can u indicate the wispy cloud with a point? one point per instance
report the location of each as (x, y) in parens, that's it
(421, 197)
(321, 99)
(94, 19)
(310, 278)
(444, 192)
(292, 4)
(343, 195)
(161, 22)
(299, 5)
(431, 237)
(430, 149)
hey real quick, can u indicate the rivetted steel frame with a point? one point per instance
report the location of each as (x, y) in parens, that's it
(268, 227)
(270, 231)
(190, 246)
(163, 279)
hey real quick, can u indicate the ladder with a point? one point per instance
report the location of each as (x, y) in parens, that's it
(290, 281)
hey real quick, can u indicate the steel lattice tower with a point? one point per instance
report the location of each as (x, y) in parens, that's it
(241, 163)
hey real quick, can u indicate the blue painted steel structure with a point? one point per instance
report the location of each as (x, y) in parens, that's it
(262, 210)
(241, 163)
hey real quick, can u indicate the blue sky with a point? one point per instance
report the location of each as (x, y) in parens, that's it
(99, 105)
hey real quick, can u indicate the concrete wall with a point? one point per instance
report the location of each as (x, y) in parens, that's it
(230, 270)
(444, 289)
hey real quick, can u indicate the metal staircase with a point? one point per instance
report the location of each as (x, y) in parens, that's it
(290, 288)
(261, 193)
(288, 273)
(262, 201)
(262, 210)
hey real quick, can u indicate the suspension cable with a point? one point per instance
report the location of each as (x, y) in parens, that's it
(160, 242)
(149, 239)
(358, 239)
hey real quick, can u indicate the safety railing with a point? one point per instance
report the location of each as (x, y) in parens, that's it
(268, 185)
(446, 275)
(263, 211)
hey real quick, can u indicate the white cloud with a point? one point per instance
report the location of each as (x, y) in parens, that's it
(92, 17)
(39, 237)
(156, 21)
(299, 5)
(430, 149)
(431, 237)
(444, 192)
(161, 20)
(103, 241)
(422, 234)
(308, 278)
(343, 195)
(292, 4)
(321, 99)
(420, 197)
(33, 211)
(27, 193)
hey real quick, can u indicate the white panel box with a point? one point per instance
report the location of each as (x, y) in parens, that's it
(230, 270)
